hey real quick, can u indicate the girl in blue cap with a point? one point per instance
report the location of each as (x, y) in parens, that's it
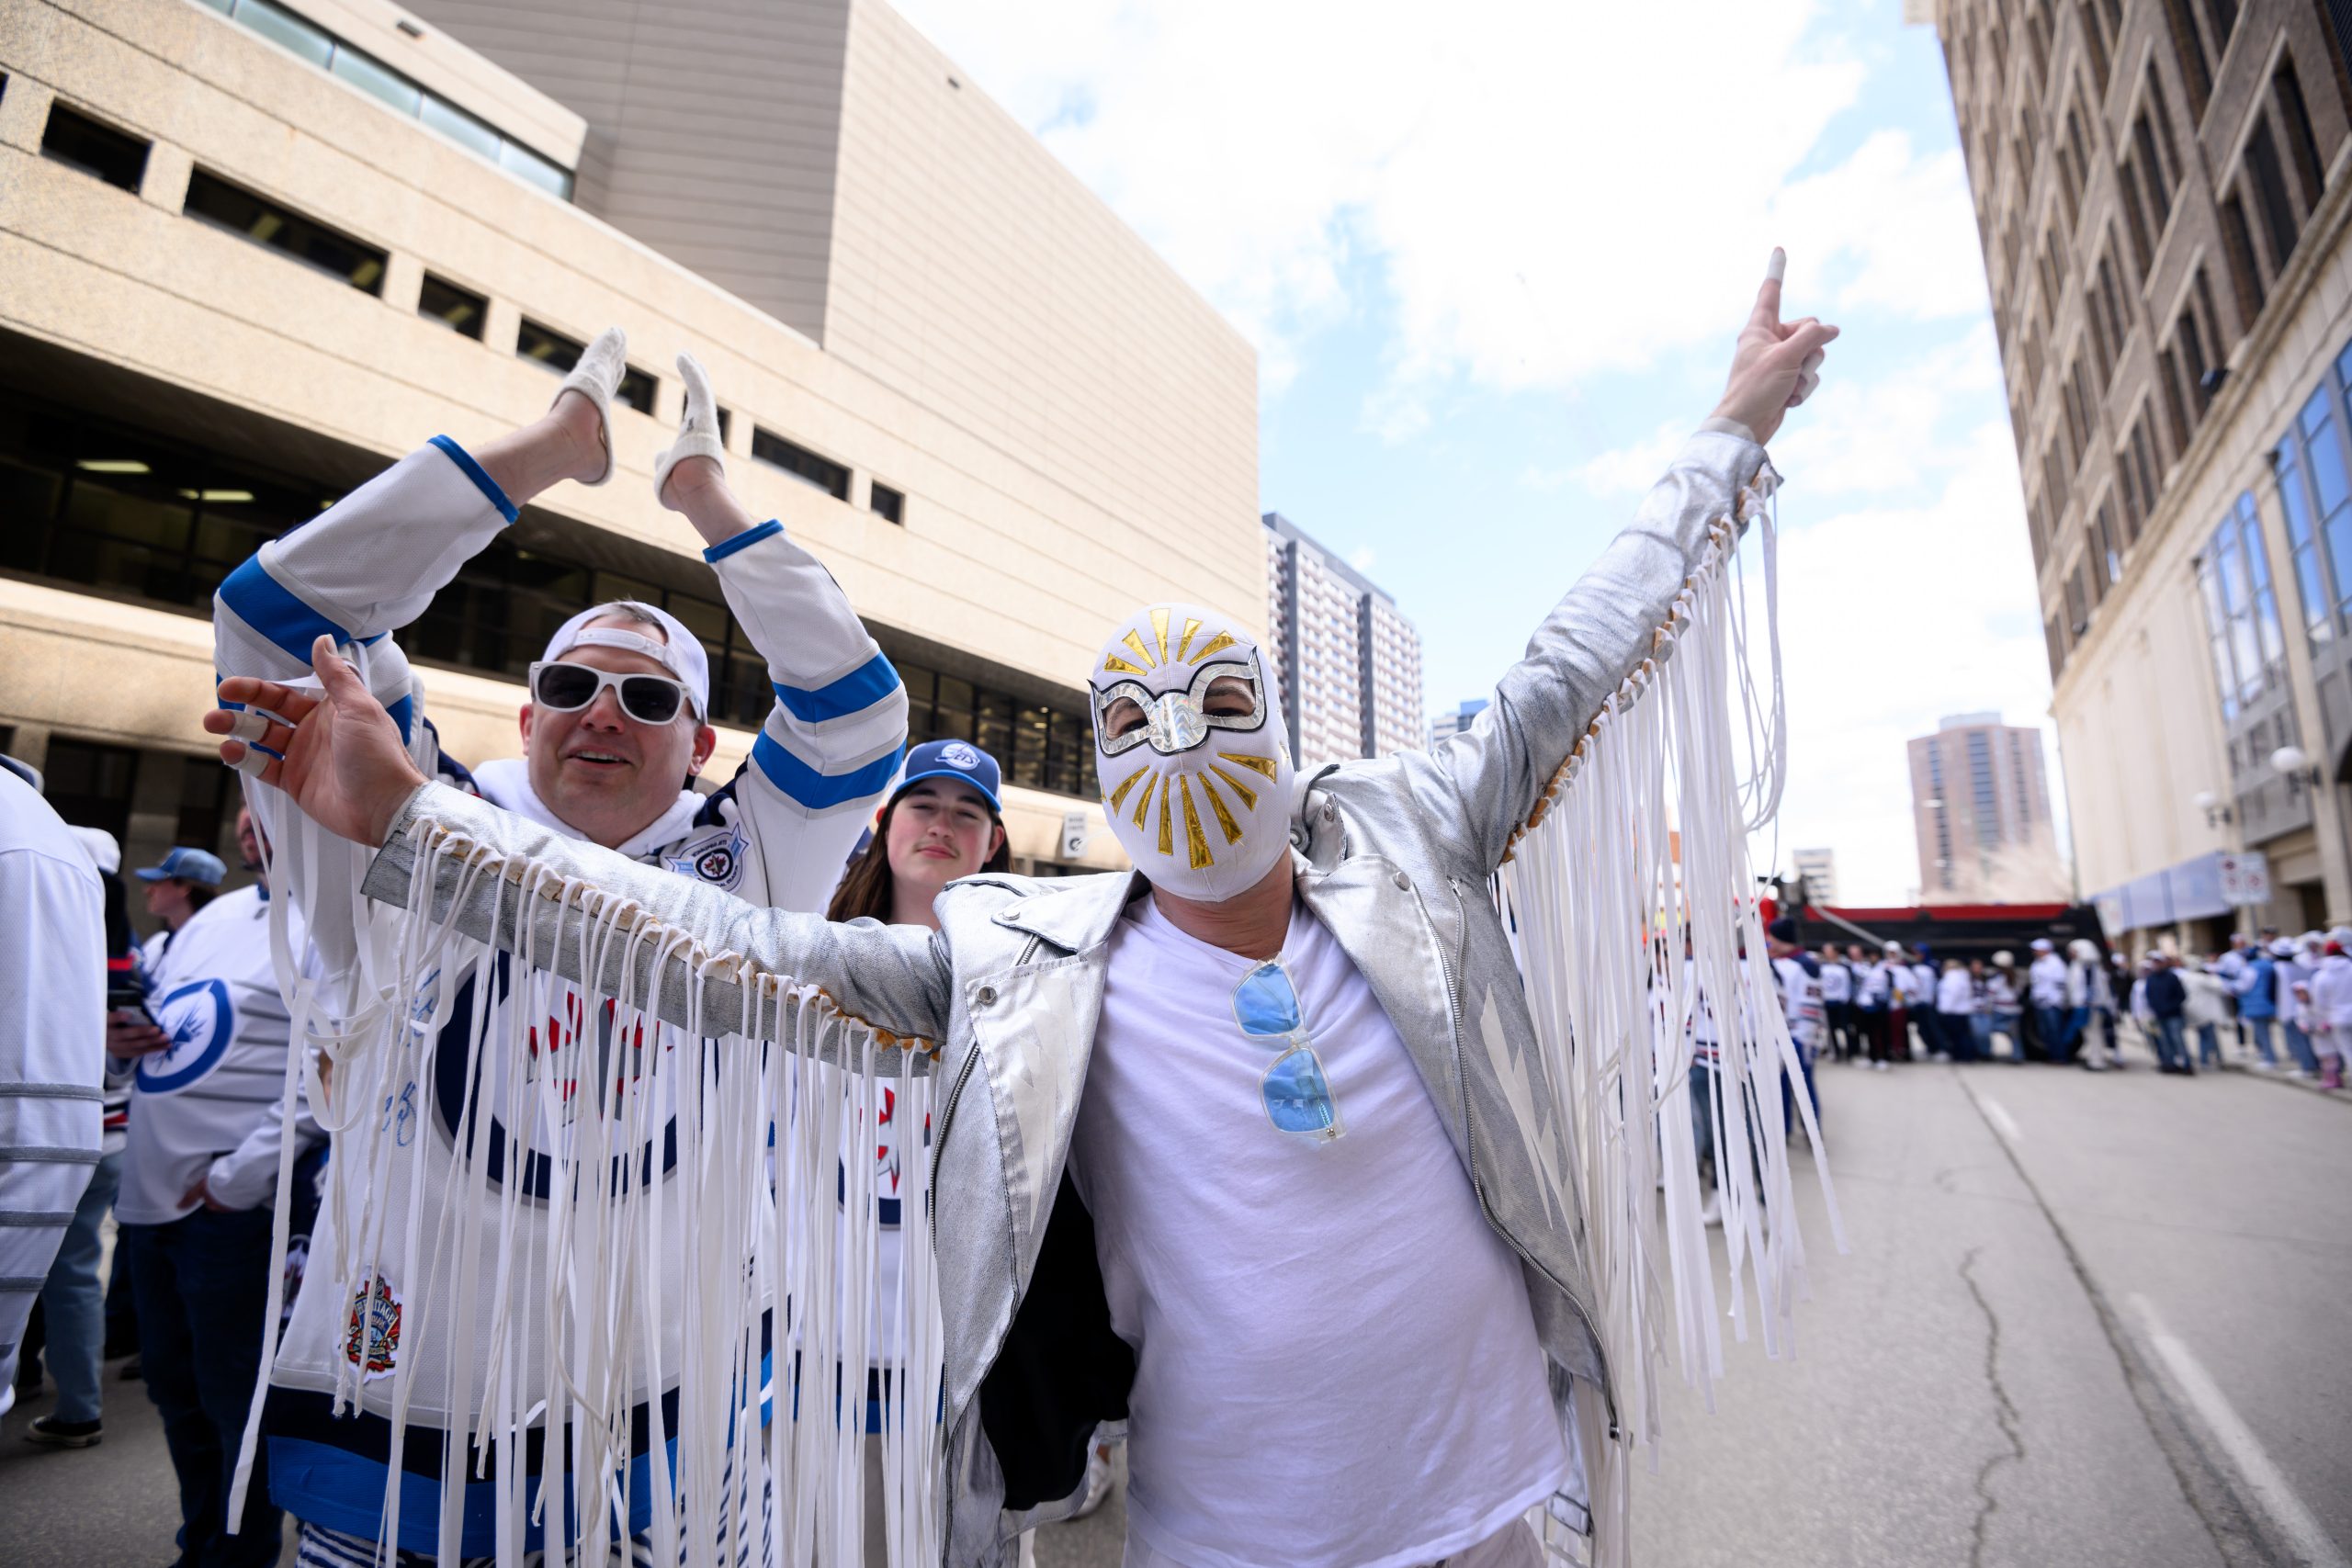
(942, 822)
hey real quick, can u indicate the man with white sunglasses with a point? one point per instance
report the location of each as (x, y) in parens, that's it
(1250, 1151)
(617, 730)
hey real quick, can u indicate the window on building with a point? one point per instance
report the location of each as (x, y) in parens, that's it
(90, 785)
(800, 463)
(2078, 612)
(2314, 477)
(2245, 272)
(2188, 47)
(888, 503)
(2303, 540)
(726, 425)
(2241, 612)
(456, 309)
(2094, 42)
(78, 141)
(215, 201)
(2146, 464)
(395, 91)
(637, 390)
(2189, 343)
(2281, 225)
(545, 346)
(2108, 543)
(2176, 410)
(2303, 144)
(2057, 645)
(207, 806)
(2156, 179)
(2135, 221)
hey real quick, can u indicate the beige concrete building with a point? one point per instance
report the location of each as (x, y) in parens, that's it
(2160, 189)
(1350, 664)
(1980, 807)
(252, 250)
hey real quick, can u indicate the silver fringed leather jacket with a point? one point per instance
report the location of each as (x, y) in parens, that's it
(1393, 855)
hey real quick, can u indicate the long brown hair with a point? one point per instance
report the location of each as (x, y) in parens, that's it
(866, 887)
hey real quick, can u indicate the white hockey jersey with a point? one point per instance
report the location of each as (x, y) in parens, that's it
(779, 834)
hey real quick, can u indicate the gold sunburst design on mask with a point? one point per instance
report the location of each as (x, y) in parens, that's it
(1135, 641)
(1265, 765)
(1197, 844)
(1249, 796)
(1216, 644)
(1119, 796)
(1160, 632)
(1192, 631)
(1167, 822)
(1216, 803)
(1143, 802)
(1114, 665)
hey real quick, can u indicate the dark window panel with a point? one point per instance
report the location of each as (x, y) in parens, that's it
(2303, 145)
(2245, 273)
(89, 785)
(801, 463)
(77, 140)
(636, 389)
(889, 504)
(289, 31)
(545, 346)
(2281, 226)
(378, 81)
(224, 206)
(459, 310)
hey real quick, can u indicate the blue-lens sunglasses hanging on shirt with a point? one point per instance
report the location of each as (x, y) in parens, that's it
(1297, 1096)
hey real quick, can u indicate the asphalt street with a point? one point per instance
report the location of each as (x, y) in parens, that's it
(2084, 1320)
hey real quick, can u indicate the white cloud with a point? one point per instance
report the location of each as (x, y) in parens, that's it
(1629, 470)
(1893, 617)
(1361, 560)
(1891, 432)
(1543, 191)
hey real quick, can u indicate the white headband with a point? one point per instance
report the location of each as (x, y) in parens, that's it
(682, 655)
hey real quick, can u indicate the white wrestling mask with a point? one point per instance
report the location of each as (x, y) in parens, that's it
(1191, 749)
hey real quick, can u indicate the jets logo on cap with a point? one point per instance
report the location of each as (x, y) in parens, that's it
(960, 756)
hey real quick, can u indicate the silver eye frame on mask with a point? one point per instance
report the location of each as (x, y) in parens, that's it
(1165, 720)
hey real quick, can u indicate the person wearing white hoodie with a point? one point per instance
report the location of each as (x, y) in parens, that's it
(2296, 959)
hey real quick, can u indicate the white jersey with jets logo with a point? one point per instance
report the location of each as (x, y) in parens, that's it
(214, 1094)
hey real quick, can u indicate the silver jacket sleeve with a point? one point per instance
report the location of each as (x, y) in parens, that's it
(892, 978)
(1483, 782)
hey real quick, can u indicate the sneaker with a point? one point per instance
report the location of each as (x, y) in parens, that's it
(52, 1433)
(1098, 1481)
(1881, 1067)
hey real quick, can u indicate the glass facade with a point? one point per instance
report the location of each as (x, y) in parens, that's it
(2241, 611)
(96, 505)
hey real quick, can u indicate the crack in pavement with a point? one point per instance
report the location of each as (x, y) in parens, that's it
(2004, 1413)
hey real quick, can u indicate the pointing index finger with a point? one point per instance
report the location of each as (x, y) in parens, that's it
(1767, 297)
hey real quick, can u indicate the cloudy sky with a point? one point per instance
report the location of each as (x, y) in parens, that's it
(1493, 256)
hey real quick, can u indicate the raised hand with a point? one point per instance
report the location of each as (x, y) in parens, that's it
(1776, 365)
(338, 754)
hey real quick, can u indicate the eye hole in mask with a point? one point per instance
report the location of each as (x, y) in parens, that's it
(1220, 696)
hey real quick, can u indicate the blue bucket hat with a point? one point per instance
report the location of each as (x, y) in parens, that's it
(957, 760)
(188, 865)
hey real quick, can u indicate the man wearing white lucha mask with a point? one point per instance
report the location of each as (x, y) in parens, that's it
(1250, 1150)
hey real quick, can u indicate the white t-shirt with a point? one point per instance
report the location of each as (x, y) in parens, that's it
(1336, 1361)
(1837, 983)
(1956, 992)
(2048, 979)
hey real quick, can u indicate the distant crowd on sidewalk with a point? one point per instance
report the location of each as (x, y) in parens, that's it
(2269, 1002)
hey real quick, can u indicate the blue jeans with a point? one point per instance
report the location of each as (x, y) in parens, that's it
(1979, 1030)
(202, 1283)
(2050, 1025)
(73, 1303)
(2171, 1041)
(2208, 1046)
(2298, 1045)
(2259, 1030)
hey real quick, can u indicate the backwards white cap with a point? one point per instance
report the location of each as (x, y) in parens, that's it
(682, 655)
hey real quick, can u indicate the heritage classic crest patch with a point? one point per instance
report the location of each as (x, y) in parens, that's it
(716, 858)
(371, 1332)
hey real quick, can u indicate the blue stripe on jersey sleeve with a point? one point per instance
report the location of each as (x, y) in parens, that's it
(402, 711)
(805, 786)
(474, 471)
(271, 608)
(860, 688)
(728, 547)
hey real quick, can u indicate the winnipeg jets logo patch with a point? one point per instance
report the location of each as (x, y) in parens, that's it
(960, 756)
(716, 857)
